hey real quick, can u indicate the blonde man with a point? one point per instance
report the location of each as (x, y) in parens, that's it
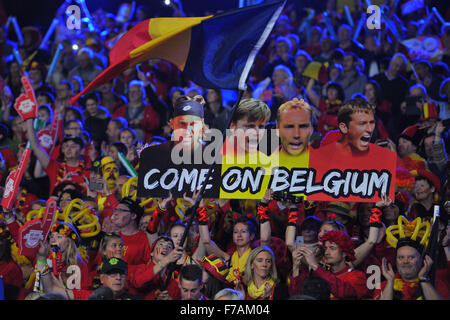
(294, 126)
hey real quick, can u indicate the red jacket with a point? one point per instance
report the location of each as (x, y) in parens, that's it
(295, 284)
(144, 282)
(9, 156)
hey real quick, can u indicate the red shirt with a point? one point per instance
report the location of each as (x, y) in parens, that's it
(81, 294)
(137, 248)
(53, 171)
(295, 284)
(86, 279)
(9, 156)
(333, 156)
(345, 284)
(385, 250)
(11, 273)
(108, 207)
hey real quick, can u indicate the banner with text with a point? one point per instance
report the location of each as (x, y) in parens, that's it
(324, 174)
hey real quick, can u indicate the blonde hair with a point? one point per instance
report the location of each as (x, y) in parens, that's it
(294, 104)
(248, 274)
(105, 241)
(71, 255)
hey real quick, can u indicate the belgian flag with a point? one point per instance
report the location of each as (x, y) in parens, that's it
(213, 51)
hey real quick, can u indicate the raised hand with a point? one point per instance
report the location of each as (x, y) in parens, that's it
(427, 263)
(296, 258)
(385, 201)
(267, 291)
(387, 271)
(194, 197)
(164, 202)
(174, 255)
(267, 196)
(309, 256)
(44, 250)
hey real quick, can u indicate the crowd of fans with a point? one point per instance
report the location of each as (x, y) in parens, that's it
(136, 251)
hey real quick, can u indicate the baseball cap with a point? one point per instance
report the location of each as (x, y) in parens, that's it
(114, 264)
(133, 205)
(188, 107)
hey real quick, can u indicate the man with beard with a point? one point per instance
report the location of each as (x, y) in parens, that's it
(411, 281)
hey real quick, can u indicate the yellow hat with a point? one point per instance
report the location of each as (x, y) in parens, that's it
(106, 160)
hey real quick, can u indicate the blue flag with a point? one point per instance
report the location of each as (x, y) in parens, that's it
(224, 47)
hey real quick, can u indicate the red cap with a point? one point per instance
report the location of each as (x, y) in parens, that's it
(412, 134)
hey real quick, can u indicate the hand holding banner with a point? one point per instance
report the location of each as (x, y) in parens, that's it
(26, 104)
